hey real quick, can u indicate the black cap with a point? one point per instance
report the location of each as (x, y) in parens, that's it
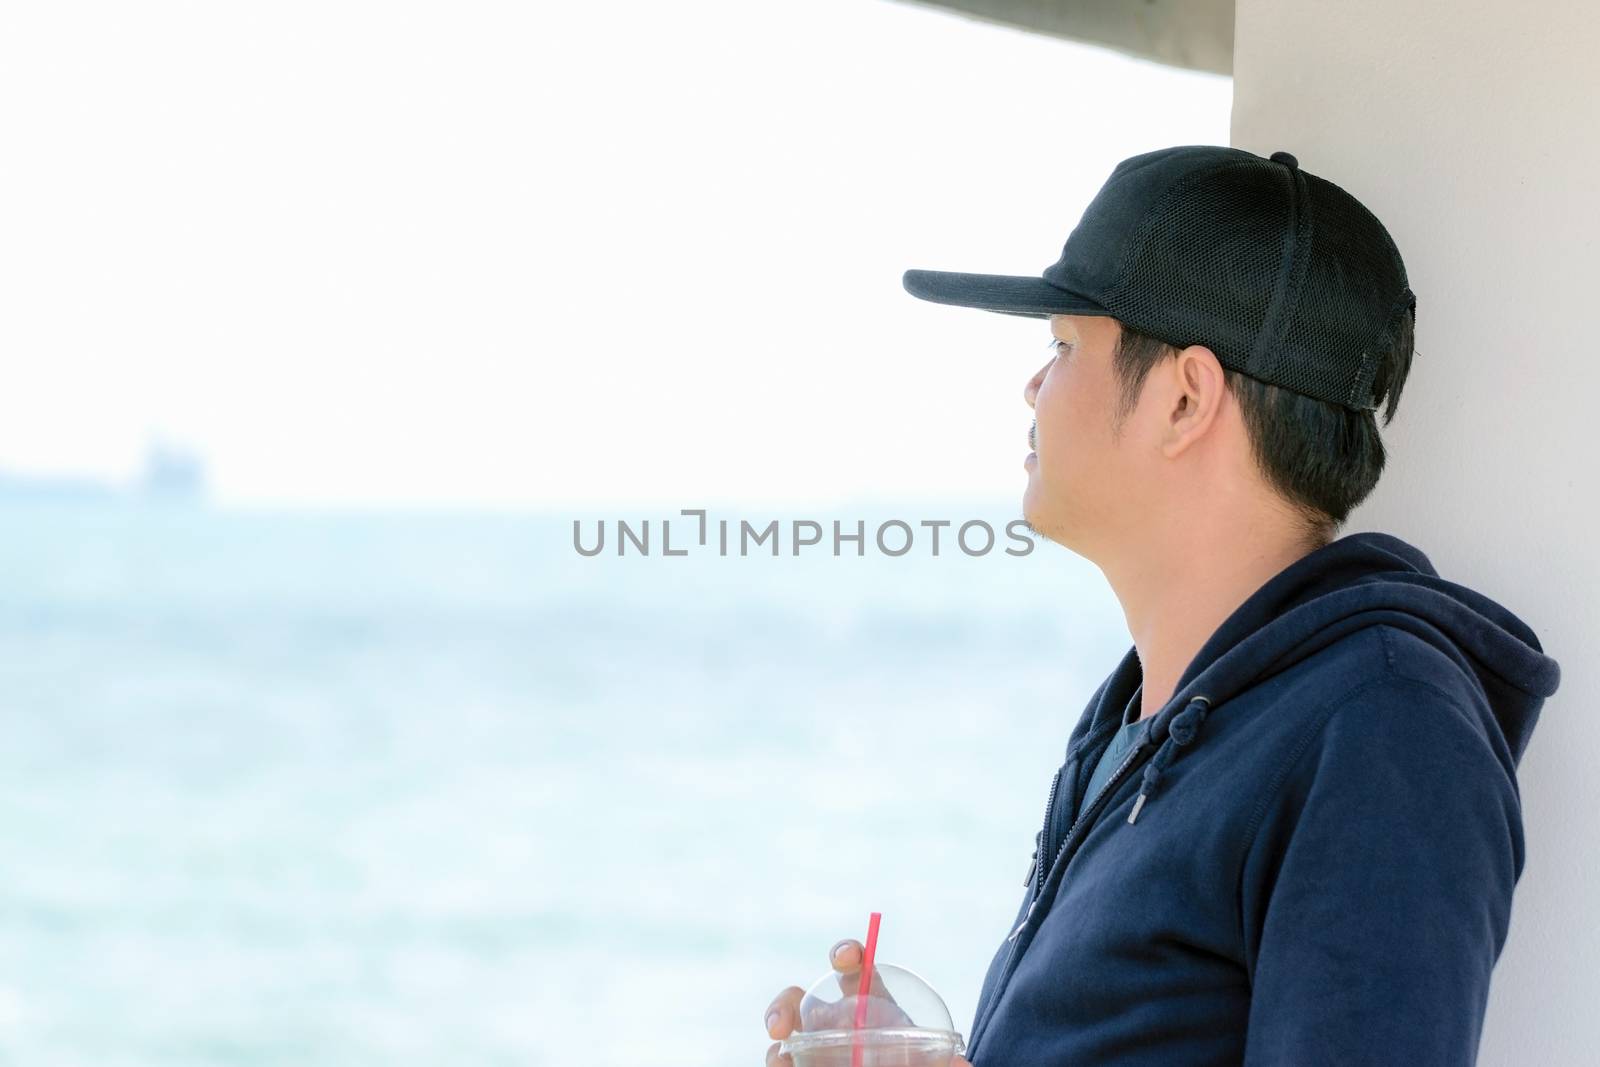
(1282, 274)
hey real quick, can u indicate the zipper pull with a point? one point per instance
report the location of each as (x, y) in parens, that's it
(1023, 923)
(1033, 861)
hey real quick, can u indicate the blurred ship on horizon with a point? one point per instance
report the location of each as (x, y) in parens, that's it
(172, 472)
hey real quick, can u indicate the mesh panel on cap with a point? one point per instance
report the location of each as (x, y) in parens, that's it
(1203, 270)
(1213, 251)
(1344, 309)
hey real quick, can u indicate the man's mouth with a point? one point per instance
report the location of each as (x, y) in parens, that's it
(1033, 430)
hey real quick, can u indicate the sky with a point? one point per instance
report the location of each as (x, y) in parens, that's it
(521, 256)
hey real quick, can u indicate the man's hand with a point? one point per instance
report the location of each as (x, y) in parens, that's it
(783, 1014)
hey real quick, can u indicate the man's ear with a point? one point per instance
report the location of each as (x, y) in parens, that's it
(1198, 387)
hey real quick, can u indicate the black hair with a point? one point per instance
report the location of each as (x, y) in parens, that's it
(1323, 459)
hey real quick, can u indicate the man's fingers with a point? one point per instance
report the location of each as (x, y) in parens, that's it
(783, 1014)
(778, 1059)
(846, 956)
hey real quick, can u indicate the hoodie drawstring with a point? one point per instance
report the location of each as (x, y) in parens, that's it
(1183, 729)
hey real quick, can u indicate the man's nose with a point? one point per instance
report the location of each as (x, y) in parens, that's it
(1031, 390)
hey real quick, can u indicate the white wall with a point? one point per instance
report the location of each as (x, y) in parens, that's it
(1473, 131)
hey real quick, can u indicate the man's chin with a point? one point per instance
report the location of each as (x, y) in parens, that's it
(1031, 519)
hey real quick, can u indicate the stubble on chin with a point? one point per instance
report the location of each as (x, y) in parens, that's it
(1033, 531)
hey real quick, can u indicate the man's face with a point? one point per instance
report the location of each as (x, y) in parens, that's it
(1079, 479)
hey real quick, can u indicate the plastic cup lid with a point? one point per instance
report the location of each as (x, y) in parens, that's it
(902, 1010)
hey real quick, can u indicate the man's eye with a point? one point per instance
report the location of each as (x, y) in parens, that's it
(1058, 346)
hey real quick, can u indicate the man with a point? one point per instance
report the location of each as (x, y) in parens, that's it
(1287, 828)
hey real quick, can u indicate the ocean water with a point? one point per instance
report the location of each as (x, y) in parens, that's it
(425, 789)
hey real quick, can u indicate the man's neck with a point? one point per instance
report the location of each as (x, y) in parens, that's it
(1175, 600)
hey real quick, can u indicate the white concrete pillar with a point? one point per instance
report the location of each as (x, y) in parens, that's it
(1473, 131)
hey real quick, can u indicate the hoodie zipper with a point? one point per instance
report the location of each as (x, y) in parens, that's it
(1035, 876)
(1142, 748)
(1089, 811)
(1039, 869)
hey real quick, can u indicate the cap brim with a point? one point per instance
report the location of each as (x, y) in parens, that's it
(1006, 293)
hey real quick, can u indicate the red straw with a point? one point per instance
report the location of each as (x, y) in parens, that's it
(863, 987)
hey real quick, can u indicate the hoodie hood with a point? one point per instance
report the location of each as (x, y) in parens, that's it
(1359, 580)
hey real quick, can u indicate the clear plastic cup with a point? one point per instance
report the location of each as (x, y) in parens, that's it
(906, 1023)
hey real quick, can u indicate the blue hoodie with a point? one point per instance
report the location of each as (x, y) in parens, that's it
(1306, 857)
